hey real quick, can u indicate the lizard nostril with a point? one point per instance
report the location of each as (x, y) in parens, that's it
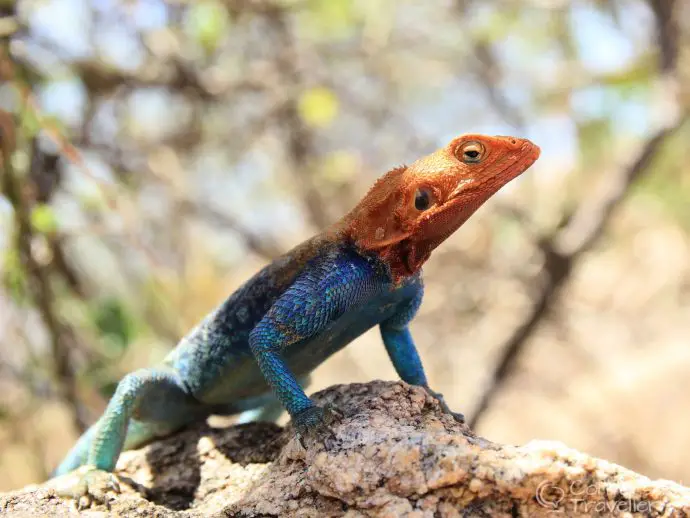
(513, 142)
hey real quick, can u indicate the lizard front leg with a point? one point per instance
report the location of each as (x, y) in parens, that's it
(266, 342)
(307, 418)
(319, 296)
(403, 353)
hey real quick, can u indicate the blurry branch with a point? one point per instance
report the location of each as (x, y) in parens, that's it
(45, 176)
(380, 114)
(38, 388)
(37, 274)
(11, 71)
(667, 32)
(488, 71)
(261, 246)
(300, 139)
(562, 251)
(63, 266)
(100, 79)
(177, 75)
(239, 7)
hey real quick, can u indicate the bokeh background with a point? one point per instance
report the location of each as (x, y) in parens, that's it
(157, 153)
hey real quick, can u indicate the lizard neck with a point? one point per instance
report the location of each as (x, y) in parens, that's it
(399, 259)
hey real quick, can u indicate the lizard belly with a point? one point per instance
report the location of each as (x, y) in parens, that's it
(304, 357)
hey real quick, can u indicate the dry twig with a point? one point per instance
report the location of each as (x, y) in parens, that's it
(38, 278)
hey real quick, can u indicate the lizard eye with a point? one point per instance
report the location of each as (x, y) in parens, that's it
(471, 152)
(422, 199)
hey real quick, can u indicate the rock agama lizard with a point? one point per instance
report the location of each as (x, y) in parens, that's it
(254, 352)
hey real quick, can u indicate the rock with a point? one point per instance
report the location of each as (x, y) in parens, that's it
(393, 453)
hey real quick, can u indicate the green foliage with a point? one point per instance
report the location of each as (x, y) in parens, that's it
(92, 200)
(106, 388)
(115, 323)
(14, 279)
(495, 25)
(318, 106)
(43, 219)
(329, 20)
(30, 123)
(20, 161)
(340, 166)
(208, 22)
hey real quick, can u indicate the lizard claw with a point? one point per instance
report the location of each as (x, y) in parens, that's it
(460, 418)
(314, 423)
(92, 486)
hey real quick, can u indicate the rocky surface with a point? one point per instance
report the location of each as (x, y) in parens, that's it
(393, 453)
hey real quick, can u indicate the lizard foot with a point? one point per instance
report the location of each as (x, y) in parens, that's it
(460, 418)
(92, 486)
(314, 423)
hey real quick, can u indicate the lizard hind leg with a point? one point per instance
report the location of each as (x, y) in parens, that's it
(138, 434)
(159, 401)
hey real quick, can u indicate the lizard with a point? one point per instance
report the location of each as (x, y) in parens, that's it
(252, 355)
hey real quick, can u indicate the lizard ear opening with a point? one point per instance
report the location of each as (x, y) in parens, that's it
(376, 222)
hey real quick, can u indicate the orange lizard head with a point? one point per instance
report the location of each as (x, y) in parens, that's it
(411, 210)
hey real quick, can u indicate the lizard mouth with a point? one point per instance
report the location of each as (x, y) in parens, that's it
(462, 186)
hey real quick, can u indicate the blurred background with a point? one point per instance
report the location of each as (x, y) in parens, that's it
(157, 153)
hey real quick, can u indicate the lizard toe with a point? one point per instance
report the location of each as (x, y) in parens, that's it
(92, 486)
(460, 418)
(314, 424)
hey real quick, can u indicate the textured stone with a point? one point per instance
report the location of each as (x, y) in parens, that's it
(393, 453)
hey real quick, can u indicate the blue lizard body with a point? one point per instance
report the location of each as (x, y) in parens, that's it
(273, 331)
